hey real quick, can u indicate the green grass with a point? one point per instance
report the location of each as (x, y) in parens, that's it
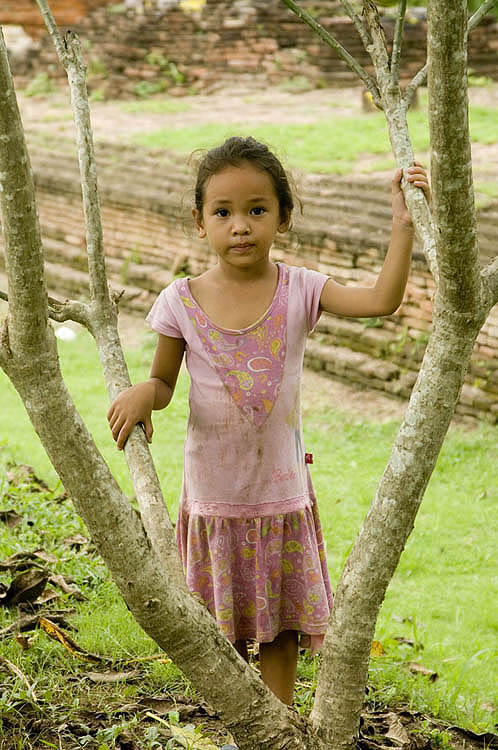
(328, 145)
(443, 595)
(159, 105)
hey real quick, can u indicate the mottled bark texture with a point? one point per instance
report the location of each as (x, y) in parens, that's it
(173, 618)
(100, 317)
(458, 315)
(143, 565)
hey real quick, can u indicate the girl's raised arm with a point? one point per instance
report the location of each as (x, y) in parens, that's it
(387, 294)
(134, 405)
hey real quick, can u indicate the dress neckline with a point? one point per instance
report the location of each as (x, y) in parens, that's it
(261, 319)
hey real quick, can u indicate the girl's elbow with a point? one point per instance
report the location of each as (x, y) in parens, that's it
(389, 307)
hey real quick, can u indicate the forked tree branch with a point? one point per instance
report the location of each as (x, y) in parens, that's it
(397, 42)
(70, 56)
(63, 311)
(395, 113)
(103, 315)
(421, 77)
(378, 49)
(337, 46)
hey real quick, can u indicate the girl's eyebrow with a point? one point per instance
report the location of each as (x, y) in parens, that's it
(256, 199)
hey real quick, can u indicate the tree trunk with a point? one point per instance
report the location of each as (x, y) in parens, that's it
(390, 520)
(140, 560)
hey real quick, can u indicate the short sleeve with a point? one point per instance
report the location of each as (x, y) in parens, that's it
(312, 283)
(161, 317)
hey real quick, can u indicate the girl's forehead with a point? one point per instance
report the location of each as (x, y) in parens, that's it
(239, 181)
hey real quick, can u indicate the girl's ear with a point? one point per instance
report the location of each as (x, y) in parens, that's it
(198, 223)
(284, 225)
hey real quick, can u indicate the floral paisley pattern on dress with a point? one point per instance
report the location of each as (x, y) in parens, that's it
(249, 362)
(259, 576)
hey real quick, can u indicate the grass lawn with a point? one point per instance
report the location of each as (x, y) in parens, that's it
(332, 145)
(441, 602)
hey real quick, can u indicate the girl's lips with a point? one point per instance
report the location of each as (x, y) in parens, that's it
(242, 248)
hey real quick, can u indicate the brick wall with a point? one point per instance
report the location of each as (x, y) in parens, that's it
(26, 13)
(145, 211)
(255, 41)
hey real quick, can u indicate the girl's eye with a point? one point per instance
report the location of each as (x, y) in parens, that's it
(258, 210)
(223, 212)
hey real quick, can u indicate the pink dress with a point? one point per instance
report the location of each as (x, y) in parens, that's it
(248, 529)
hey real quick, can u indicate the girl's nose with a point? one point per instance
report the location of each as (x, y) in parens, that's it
(240, 225)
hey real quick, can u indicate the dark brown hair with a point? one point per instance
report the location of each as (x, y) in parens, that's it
(233, 152)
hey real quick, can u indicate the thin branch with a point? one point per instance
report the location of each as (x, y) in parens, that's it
(70, 56)
(59, 311)
(480, 13)
(342, 51)
(397, 42)
(418, 80)
(378, 48)
(421, 77)
(103, 312)
(359, 25)
(53, 30)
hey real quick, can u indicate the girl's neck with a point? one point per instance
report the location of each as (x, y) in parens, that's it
(228, 274)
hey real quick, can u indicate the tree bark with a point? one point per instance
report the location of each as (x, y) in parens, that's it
(458, 316)
(177, 621)
(101, 314)
(451, 161)
(147, 573)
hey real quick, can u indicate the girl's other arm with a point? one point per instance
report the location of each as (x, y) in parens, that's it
(134, 405)
(387, 294)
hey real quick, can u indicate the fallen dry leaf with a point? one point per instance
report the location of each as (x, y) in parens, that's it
(45, 598)
(377, 649)
(24, 642)
(112, 676)
(10, 518)
(396, 732)
(196, 741)
(55, 632)
(408, 642)
(416, 668)
(26, 587)
(59, 580)
(26, 560)
(31, 622)
(24, 473)
(77, 541)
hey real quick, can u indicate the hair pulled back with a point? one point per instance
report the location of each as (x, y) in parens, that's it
(232, 153)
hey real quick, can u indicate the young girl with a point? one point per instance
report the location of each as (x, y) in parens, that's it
(248, 529)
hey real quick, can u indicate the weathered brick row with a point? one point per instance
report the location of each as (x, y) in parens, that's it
(260, 42)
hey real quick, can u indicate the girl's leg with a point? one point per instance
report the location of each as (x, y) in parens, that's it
(241, 647)
(278, 664)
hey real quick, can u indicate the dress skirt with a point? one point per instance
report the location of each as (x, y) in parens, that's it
(259, 576)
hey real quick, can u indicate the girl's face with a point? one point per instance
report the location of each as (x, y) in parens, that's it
(240, 216)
